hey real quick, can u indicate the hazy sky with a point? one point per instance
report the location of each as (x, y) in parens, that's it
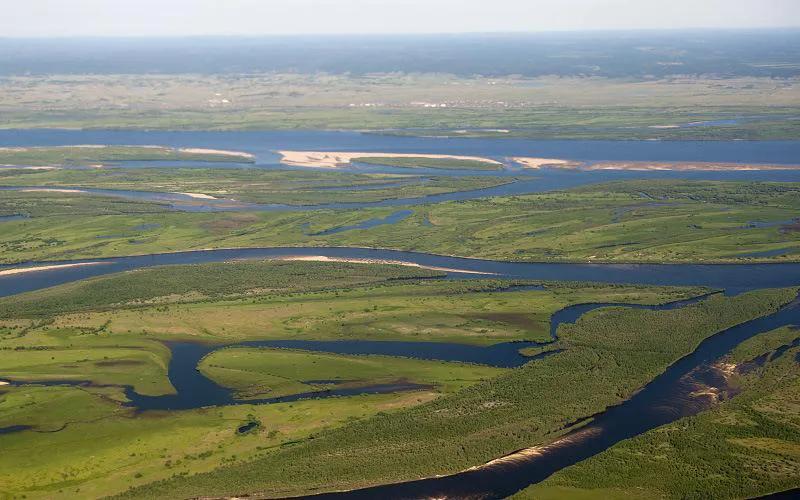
(265, 17)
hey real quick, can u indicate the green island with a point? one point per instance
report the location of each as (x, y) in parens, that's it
(252, 185)
(99, 154)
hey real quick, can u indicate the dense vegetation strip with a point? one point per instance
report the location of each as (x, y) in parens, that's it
(192, 283)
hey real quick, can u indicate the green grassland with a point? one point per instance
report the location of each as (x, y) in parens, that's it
(606, 358)
(473, 312)
(422, 162)
(102, 449)
(279, 372)
(547, 107)
(747, 447)
(81, 155)
(252, 185)
(633, 221)
(49, 204)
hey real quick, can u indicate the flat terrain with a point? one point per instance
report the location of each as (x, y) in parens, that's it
(633, 221)
(332, 159)
(252, 185)
(63, 334)
(97, 155)
(674, 107)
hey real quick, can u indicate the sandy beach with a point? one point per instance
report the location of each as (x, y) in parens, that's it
(645, 166)
(204, 151)
(333, 159)
(536, 163)
(17, 167)
(322, 258)
(199, 196)
(52, 190)
(22, 270)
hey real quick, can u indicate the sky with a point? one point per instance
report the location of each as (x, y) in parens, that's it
(47, 18)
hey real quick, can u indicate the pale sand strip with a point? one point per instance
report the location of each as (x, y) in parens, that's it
(333, 159)
(644, 166)
(529, 162)
(199, 196)
(22, 270)
(322, 258)
(17, 167)
(685, 166)
(225, 152)
(52, 190)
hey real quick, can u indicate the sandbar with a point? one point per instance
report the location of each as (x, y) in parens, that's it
(333, 159)
(645, 166)
(52, 190)
(528, 162)
(225, 152)
(22, 270)
(323, 258)
(199, 196)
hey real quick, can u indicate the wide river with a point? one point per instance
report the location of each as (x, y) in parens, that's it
(265, 144)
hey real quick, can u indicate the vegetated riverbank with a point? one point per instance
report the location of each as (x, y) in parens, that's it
(496, 417)
(706, 455)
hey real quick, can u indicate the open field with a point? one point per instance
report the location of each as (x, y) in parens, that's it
(633, 221)
(423, 104)
(747, 447)
(252, 185)
(257, 373)
(97, 155)
(606, 358)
